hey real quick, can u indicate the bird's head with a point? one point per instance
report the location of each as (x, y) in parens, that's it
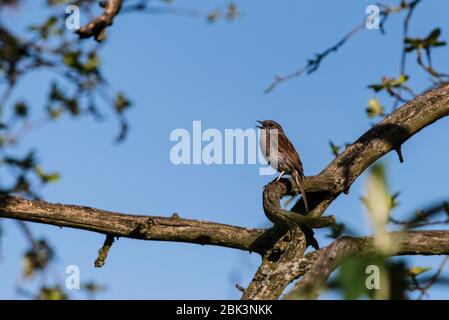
(269, 125)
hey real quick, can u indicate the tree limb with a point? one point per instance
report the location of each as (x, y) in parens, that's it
(282, 248)
(272, 194)
(327, 259)
(137, 226)
(276, 270)
(338, 176)
(386, 136)
(97, 27)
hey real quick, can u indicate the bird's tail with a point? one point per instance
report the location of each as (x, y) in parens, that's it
(299, 180)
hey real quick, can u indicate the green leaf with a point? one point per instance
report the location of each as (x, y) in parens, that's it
(121, 103)
(232, 12)
(352, 278)
(213, 16)
(378, 204)
(28, 162)
(92, 62)
(21, 109)
(416, 271)
(414, 44)
(3, 141)
(377, 87)
(430, 41)
(46, 177)
(71, 59)
(92, 287)
(54, 112)
(394, 201)
(37, 258)
(434, 35)
(72, 106)
(378, 199)
(388, 83)
(56, 93)
(375, 108)
(399, 81)
(47, 29)
(52, 293)
(439, 44)
(335, 149)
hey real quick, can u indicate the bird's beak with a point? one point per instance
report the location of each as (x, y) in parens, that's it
(261, 122)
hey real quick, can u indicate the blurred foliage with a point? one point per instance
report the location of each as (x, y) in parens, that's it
(354, 275)
(396, 279)
(379, 205)
(375, 108)
(56, 292)
(79, 88)
(388, 83)
(392, 277)
(37, 258)
(416, 271)
(431, 41)
(51, 293)
(335, 149)
(337, 230)
(231, 13)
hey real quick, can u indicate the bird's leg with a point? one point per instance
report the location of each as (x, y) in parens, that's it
(280, 176)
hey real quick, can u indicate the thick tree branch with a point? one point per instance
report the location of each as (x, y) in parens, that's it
(386, 136)
(283, 246)
(327, 259)
(276, 270)
(272, 194)
(336, 178)
(138, 226)
(97, 27)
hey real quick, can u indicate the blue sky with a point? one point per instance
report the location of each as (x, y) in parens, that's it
(177, 70)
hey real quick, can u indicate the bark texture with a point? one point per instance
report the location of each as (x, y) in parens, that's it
(281, 247)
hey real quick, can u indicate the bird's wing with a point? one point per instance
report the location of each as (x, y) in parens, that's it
(286, 147)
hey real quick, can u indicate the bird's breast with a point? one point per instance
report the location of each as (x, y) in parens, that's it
(270, 151)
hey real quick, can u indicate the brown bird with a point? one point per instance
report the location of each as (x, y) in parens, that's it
(281, 154)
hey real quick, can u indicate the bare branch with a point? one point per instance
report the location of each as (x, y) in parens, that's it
(327, 259)
(272, 194)
(282, 248)
(104, 251)
(386, 136)
(434, 278)
(277, 269)
(97, 27)
(137, 226)
(405, 29)
(314, 63)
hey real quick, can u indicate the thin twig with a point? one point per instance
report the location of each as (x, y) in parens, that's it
(104, 251)
(313, 64)
(434, 279)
